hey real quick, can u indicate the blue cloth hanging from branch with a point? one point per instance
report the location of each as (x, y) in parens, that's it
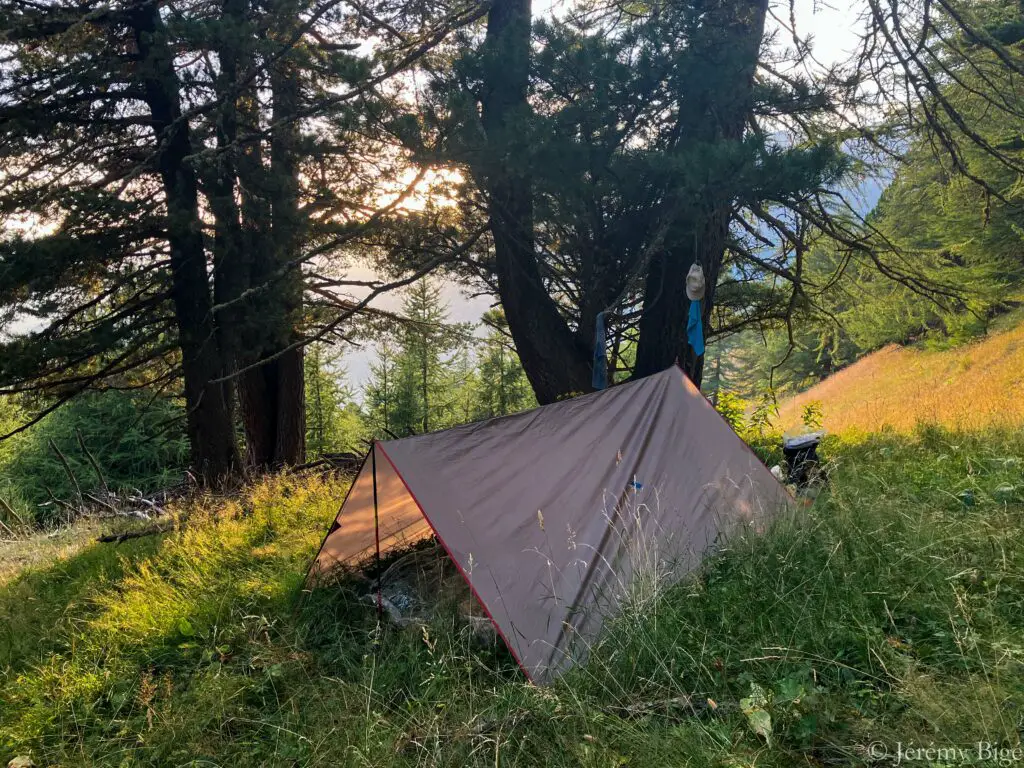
(695, 329)
(600, 378)
(695, 322)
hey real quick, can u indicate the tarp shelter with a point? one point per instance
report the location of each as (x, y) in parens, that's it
(550, 514)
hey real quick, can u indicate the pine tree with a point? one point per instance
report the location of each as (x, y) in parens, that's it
(613, 152)
(334, 422)
(415, 384)
(501, 386)
(429, 342)
(179, 172)
(380, 392)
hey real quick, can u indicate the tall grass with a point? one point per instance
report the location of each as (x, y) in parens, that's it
(889, 610)
(969, 387)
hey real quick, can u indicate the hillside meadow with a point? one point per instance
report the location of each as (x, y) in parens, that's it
(967, 387)
(887, 612)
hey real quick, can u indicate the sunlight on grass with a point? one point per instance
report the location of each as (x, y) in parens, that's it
(888, 610)
(968, 387)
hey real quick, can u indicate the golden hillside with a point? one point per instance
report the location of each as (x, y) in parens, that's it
(969, 387)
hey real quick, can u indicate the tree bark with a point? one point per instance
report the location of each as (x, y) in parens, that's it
(286, 373)
(209, 426)
(230, 258)
(555, 361)
(260, 238)
(257, 405)
(716, 108)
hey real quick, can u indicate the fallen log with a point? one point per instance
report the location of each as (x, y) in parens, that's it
(117, 538)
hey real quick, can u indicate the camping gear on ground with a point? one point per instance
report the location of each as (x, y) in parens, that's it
(555, 515)
(801, 455)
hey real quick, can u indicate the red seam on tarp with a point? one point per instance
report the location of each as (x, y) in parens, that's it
(458, 565)
(706, 399)
(331, 530)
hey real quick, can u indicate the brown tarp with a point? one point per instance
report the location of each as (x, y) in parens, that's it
(555, 515)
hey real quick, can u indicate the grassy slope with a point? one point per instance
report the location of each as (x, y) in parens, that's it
(970, 387)
(890, 610)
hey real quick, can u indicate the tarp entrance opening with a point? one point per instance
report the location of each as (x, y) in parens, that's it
(553, 516)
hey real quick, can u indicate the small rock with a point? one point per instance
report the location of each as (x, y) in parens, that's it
(22, 761)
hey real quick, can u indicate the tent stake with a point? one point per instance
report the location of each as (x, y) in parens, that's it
(376, 531)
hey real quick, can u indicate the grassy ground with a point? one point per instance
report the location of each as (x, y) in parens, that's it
(889, 611)
(966, 387)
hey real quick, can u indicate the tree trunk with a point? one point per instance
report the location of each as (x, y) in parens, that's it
(230, 258)
(287, 374)
(663, 339)
(716, 109)
(555, 361)
(271, 392)
(256, 401)
(425, 385)
(209, 426)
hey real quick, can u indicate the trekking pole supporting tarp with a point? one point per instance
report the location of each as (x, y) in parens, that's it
(376, 531)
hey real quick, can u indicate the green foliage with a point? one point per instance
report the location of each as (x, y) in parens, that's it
(623, 142)
(430, 375)
(858, 619)
(136, 440)
(334, 422)
(812, 414)
(953, 213)
(818, 349)
(500, 386)
(414, 380)
(761, 420)
(733, 409)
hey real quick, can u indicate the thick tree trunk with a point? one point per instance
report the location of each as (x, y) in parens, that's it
(230, 258)
(287, 371)
(555, 361)
(663, 339)
(256, 399)
(209, 426)
(254, 243)
(272, 394)
(716, 108)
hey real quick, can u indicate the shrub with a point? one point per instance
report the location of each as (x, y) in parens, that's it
(137, 442)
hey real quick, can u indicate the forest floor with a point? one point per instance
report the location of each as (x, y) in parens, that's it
(885, 616)
(964, 387)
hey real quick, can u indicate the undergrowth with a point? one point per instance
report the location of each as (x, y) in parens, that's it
(888, 611)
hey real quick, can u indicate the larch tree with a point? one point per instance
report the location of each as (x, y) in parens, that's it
(333, 419)
(501, 386)
(380, 392)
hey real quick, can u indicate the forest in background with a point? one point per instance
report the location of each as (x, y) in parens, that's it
(194, 194)
(429, 374)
